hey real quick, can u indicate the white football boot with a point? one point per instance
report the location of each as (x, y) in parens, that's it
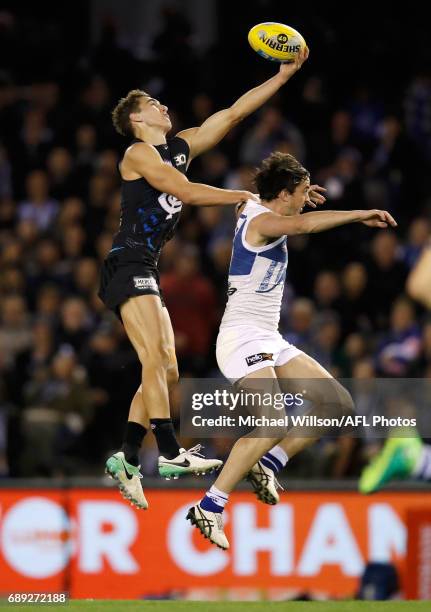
(210, 524)
(264, 484)
(187, 462)
(128, 478)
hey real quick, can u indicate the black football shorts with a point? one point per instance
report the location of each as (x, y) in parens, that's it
(121, 280)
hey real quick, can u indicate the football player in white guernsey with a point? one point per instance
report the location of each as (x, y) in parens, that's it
(249, 345)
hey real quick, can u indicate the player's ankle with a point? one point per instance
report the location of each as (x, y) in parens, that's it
(133, 437)
(214, 500)
(275, 459)
(163, 430)
(130, 454)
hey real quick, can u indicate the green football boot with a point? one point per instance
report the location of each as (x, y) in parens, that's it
(397, 459)
(128, 478)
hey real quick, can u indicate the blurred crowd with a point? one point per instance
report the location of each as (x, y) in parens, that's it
(67, 370)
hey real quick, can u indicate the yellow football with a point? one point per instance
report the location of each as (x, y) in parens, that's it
(275, 41)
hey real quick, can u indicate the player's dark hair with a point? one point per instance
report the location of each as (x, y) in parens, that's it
(277, 172)
(121, 113)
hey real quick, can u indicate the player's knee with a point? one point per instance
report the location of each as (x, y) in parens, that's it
(336, 400)
(347, 405)
(154, 355)
(173, 375)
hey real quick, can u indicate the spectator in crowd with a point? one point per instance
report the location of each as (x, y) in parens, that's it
(387, 274)
(400, 347)
(271, 129)
(192, 304)
(354, 305)
(300, 324)
(326, 343)
(57, 408)
(38, 207)
(327, 290)
(15, 327)
(75, 323)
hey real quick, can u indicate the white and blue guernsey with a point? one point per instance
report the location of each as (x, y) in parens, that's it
(256, 277)
(248, 338)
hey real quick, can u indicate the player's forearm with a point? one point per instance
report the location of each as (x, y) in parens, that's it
(257, 96)
(323, 220)
(198, 194)
(273, 226)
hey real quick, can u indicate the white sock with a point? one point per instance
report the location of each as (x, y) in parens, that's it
(218, 497)
(275, 459)
(280, 454)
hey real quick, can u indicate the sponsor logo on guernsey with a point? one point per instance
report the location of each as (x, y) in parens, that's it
(170, 204)
(142, 283)
(258, 358)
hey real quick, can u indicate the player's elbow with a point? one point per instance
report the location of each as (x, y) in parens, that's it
(296, 227)
(183, 193)
(186, 195)
(234, 115)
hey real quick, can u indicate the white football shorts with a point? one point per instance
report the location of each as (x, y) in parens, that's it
(245, 349)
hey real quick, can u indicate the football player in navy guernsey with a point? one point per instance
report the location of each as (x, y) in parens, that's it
(153, 191)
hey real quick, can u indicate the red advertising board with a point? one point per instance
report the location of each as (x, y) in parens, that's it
(94, 545)
(418, 579)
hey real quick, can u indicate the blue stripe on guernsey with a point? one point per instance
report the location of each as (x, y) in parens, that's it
(277, 253)
(242, 259)
(116, 249)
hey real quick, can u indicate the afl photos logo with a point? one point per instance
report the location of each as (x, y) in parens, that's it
(170, 204)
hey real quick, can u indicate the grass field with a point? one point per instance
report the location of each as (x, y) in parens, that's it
(227, 606)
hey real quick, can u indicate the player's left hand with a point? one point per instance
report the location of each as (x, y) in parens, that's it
(287, 70)
(315, 197)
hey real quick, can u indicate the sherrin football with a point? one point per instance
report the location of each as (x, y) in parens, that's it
(275, 41)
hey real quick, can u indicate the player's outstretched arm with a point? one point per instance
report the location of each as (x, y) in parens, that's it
(216, 127)
(144, 160)
(272, 225)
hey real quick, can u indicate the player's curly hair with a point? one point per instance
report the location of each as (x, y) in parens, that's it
(277, 172)
(121, 113)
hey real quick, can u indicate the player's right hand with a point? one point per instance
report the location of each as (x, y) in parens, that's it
(287, 70)
(377, 218)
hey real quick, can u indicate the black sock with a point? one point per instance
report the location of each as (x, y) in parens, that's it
(167, 443)
(132, 441)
